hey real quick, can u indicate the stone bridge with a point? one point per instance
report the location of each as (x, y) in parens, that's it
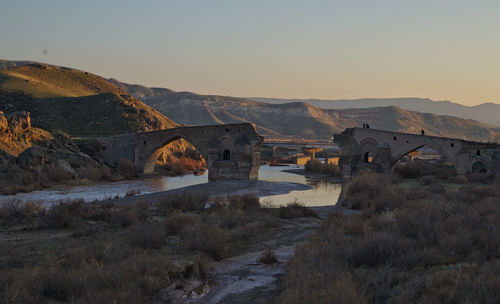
(380, 150)
(231, 151)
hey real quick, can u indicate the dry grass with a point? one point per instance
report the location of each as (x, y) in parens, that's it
(295, 210)
(418, 168)
(186, 201)
(405, 246)
(76, 252)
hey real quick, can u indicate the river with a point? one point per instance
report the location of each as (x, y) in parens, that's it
(317, 192)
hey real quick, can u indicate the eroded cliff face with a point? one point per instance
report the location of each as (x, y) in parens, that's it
(17, 134)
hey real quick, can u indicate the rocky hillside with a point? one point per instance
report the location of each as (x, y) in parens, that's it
(139, 91)
(299, 119)
(76, 102)
(16, 134)
(486, 112)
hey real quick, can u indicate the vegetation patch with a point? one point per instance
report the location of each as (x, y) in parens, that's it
(76, 252)
(406, 245)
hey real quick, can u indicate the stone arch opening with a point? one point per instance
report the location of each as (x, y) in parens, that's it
(424, 160)
(176, 156)
(368, 149)
(479, 167)
(367, 157)
(226, 154)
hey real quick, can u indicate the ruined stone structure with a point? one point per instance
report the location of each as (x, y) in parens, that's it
(232, 151)
(380, 150)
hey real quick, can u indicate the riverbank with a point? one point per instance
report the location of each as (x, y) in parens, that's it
(277, 184)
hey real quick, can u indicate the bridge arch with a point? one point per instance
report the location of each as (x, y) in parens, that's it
(479, 167)
(240, 161)
(157, 148)
(418, 145)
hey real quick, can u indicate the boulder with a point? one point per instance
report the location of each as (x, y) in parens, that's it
(31, 158)
(66, 167)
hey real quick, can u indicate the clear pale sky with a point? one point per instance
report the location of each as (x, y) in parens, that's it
(444, 50)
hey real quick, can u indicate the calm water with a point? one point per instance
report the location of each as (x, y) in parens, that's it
(322, 192)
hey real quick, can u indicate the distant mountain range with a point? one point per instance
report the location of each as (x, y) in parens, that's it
(486, 112)
(300, 119)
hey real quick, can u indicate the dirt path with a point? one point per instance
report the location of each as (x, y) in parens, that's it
(242, 279)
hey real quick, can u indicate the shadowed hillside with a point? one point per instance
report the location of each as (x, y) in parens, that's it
(299, 119)
(76, 102)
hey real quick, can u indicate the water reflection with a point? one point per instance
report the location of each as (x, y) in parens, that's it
(322, 192)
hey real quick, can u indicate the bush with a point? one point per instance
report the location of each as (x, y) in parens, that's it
(428, 180)
(268, 257)
(318, 166)
(178, 222)
(210, 239)
(245, 202)
(125, 168)
(313, 165)
(481, 178)
(101, 272)
(185, 201)
(15, 212)
(422, 248)
(295, 210)
(63, 214)
(57, 174)
(147, 236)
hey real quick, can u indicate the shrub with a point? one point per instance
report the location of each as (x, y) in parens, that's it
(313, 165)
(210, 239)
(63, 214)
(244, 202)
(428, 180)
(332, 170)
(57, 174)
(19, 212)
(481, 178)
(185, 201)
(147, 236)
(440, 248)
(198, 269)
(268, 257)
(93, 173)
(125, 168)
(295, 210)
(178, 222)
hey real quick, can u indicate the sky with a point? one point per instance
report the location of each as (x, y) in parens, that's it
(438, 49)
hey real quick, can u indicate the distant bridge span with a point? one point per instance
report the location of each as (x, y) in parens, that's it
(378, 149)
(301, 145)
(232, 151)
